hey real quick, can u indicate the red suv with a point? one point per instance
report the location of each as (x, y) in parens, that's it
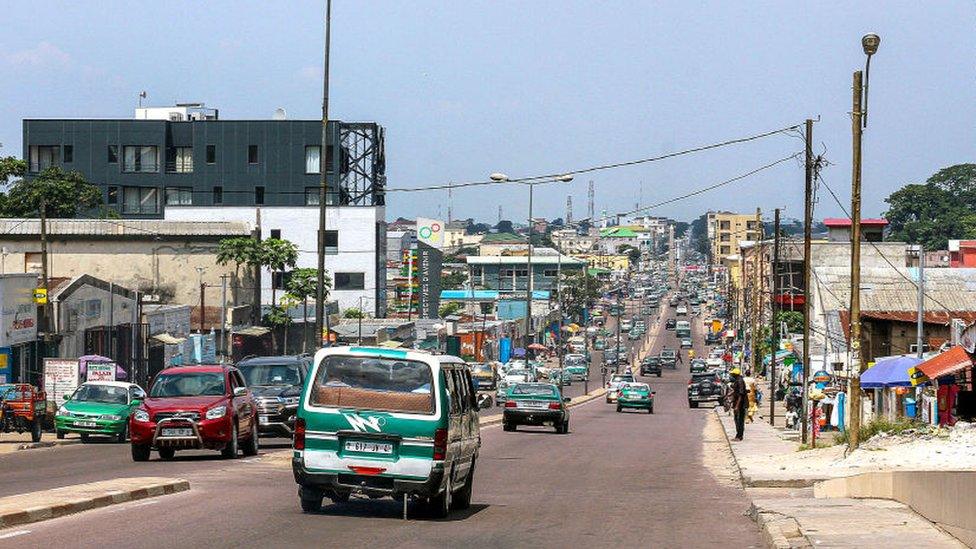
(194, 407)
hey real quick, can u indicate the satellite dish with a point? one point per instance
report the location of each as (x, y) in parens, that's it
(280, 114)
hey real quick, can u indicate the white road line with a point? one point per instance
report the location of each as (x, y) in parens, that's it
(14, 534)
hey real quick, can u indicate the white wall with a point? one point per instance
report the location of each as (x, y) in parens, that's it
(357, 241)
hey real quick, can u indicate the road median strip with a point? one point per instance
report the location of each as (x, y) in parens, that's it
(57, 502)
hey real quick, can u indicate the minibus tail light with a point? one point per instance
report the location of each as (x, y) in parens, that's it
(299, 434)
(440, 444)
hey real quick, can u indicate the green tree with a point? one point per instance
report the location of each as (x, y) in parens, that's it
(240, 251)
(353, 312)
(699, 235)
(579, 292)
(276, 318)
(940, 209)
(793, 320)
(454, 281)
(277, 255)
(301, 285)
(65, 193)
(449, 308)
(633, 253)
(11, 167)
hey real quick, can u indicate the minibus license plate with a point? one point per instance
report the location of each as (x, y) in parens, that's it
(369, 447)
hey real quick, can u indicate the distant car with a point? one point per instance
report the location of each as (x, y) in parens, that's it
(276, 384)
(518, 375)
(535, 404)
(626, 325)
(686, 343)
(651, 365)
(614, 384)
(195, 407)
(699, 365)
(669, 358)
(599, 345)
(636, 396)
(634, 335)
(681, 310)
(670, 324)
(484, 376)
(712, 338)
(99, 408)
(706, 387)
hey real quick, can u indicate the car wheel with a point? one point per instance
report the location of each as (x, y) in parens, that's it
(84, 437)
(651, 409)
(230, 449)
(311, 499)
(506, 426)
(462, 500)
(440, 505)
(565, 428)
(36, 430)
(124, 434)
(140, 452)
(167, 453)
(251, 446)
(659, 374)
(340, 497)
(59, 434)
(619, 409)
(692, 403)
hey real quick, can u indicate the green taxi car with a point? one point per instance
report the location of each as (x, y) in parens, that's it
(99, 408)
(599, 345)
(636, 395)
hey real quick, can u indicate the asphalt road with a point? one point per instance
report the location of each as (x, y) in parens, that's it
(618, 479)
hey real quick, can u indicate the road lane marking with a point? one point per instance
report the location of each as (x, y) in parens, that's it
(14, 534)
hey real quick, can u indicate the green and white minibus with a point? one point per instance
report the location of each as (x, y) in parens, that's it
(387, 422)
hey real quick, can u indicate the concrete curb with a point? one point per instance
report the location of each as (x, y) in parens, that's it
(47, 444)
(83, 497)
(576, 401)
(728, 443)
(778, 531)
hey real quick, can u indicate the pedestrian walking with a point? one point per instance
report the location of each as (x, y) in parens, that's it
(739, 402)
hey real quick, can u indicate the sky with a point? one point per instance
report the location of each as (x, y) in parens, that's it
(468, 88)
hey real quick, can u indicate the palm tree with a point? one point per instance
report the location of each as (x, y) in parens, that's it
(277, 255)
(301, 285)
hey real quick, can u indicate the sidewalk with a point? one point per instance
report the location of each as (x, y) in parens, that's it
(789, 517)
(12, 442)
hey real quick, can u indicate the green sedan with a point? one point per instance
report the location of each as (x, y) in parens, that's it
(636, 395)
(599, 345)
(99, 408)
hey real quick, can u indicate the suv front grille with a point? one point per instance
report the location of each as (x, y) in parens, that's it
(192, 416)
(268, 405)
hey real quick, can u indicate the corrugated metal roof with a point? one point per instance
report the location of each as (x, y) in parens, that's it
(884, 289)
(130, 228)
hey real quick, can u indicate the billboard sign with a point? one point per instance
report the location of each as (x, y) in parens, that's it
(430, 232)
(429, 280)
(60, 378)
(101, 371)
(19, 311)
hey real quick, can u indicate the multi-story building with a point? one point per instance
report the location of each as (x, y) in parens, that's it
(510, 273)
(726, 230)
(183, 163)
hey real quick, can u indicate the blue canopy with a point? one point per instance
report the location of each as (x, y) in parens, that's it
(889, 372)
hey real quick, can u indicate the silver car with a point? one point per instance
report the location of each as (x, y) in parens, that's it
(614, 384)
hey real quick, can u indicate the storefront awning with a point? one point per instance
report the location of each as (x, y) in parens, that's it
(166, 339)
(949, 362)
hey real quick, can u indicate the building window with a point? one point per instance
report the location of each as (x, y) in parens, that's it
(43, 157)
(313, 159)
(725, 250)
(179, 196)
(113, 195)
(211, 154)
(331, 242)
(259, 195)
(179, 160)
(276, 233)
(349, 281)
(506, 273)
(329, 162)
(312, 195)
(113, 154)
(140, 159)
(69, 154)
(724, 225)
(550, 273)
(476, 271)
(218, 195)
(252, 154)
(725, 237)
(521, 272)
(278, 280)
(140, 200)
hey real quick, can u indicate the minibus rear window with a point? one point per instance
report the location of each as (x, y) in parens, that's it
(371, 383)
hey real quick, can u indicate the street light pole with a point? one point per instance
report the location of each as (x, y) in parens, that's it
(528, 283)
(870, 44)
(321, 318)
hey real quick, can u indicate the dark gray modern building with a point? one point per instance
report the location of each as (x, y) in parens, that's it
(184, 163)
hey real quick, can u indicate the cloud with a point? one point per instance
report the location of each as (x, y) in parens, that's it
(45, 53)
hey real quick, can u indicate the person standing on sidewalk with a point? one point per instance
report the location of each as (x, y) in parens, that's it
(739, 402)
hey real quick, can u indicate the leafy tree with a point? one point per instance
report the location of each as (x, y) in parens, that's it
(633, 253)
(477, 228)
(301, 285)
(940, 209)
(454, 281)
(449, 308)
(64, 193)
(11, 167)
(699, 235)
(505, 226)
(353, 312)
(278, 317)
(680, 228)
(793, 320)
(277, 255)
(578, 292)
(240, 251)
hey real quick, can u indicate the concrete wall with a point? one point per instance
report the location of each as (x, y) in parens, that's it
(947, 498)
(360, 248)
(151, 267)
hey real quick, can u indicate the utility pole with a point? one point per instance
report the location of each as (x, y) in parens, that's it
(203, 309)
(528, 283)
(807, 269)
(48, 320)
(774, 332)
(855, 309)
(321, 318)
(256, 296)
(757, 297)
(223, 314)
(920, 323)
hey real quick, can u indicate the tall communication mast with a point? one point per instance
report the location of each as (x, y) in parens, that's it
(591, 196)
(569, 210)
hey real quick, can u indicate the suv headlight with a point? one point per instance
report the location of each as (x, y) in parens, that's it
(216, 412)
(141, 415)
(289, 401)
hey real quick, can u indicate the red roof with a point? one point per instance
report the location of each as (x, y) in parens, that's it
(846, 222)
(946, 363)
